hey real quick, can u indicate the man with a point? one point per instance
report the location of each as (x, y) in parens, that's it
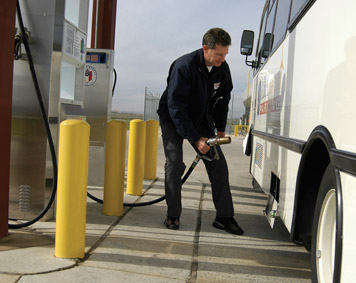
(194, 104)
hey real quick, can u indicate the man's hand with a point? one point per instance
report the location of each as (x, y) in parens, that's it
(202, 146)
(220, 134)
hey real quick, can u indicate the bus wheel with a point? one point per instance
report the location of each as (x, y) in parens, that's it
(324, 229)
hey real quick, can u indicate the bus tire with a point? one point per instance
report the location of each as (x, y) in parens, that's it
(324, 229)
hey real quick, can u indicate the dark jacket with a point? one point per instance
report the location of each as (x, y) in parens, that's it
(193, 94)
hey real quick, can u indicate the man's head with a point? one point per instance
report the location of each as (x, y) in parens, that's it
(216, 44)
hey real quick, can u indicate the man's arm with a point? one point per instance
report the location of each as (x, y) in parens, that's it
(221, 107)
(178, 102)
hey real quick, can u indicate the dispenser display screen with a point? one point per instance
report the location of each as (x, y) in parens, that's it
(96, 57)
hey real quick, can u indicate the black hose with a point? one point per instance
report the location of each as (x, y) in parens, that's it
(113, 87)
(44, 118)
(185, 177)
(130, 204)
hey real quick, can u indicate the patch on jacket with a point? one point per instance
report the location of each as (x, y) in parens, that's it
(216, 85)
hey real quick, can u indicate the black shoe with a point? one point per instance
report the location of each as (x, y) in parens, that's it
(229, 224)
(172, 223)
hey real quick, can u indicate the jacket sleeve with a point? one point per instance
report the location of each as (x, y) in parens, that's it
(179, 86)
(221, 105)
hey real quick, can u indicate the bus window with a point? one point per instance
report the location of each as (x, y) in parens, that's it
(271, 4)
(281, 23)
(270, 22)
(267, 42)
(260, 40)
(297, 7)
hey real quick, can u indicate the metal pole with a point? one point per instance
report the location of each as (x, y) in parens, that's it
(232, 107)
(232, 110)
(106, 24)
(7, 22)
(144, 106)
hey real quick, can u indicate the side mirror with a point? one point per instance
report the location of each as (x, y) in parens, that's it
(267, 43)
(247, 42)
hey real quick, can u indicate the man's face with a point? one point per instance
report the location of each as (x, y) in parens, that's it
(215, 57)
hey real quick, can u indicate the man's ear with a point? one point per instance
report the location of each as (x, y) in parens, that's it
(205, 47)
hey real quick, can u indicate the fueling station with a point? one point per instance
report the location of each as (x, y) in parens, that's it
(61, 151)
(66, 81)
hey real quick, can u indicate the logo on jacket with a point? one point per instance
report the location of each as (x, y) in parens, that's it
(216, 85)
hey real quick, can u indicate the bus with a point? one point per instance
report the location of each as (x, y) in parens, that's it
(302, 137)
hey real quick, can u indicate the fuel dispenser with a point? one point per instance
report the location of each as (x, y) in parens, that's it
(56, 31)
(99, 88)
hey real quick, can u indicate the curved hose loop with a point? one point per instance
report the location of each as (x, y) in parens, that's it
(212, 142)
(115, 78)
(48, 131)
(185, 177)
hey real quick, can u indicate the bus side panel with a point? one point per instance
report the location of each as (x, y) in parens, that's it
(324, 85)
(324, 93)
(272, 100)
(288, 165)
(310, 80)
(349, 228)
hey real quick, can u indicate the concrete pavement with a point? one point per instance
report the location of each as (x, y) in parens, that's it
(138, 248)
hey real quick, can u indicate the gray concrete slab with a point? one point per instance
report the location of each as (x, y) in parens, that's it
(32, 260)
(6, 278)
(137, 247)
(92, 275)
(141, 243)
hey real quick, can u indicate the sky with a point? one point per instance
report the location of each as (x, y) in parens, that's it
(150, 35)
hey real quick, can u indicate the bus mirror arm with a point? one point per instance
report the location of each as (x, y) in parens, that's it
(252, 63)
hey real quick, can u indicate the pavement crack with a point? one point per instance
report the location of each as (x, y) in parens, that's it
(194, 266)
(112, 226)
(104, 236)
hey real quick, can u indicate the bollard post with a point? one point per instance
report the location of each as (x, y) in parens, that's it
(73, 157)
(114, 178)
(151, 149)
(235, 133)
(135, 163)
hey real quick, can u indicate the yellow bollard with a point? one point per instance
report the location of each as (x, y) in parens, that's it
(135, 163)
(114, 179)
(73, 157)
(151, 148)
(235, 133)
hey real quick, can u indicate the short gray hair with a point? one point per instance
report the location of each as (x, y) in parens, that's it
(216, 36)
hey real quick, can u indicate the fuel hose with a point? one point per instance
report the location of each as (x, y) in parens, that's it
(211, 142)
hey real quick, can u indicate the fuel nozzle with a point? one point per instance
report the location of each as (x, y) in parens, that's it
(217, 140)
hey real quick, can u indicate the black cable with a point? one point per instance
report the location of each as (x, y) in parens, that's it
(185, 177)
(44, 118)
(113, 87)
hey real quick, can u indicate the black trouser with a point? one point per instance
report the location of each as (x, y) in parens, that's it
(174, 169)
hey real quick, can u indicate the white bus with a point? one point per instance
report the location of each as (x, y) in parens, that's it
(303, 126)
